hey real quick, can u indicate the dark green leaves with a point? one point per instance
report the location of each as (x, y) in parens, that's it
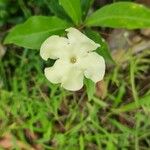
(73, 9)
(121, 15)
(35, 30)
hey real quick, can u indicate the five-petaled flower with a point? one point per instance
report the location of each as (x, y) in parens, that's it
(74, 60)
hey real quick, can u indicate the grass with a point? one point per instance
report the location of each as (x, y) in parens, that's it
(36, 114)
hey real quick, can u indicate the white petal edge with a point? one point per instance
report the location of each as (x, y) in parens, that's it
(73, 80)
(56, 73)
(54, 47)
(93, 66)
(80, 40)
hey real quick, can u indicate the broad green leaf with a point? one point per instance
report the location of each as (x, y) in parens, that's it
(121, 15)
(73, 9)
(35, 30)
(104, 49)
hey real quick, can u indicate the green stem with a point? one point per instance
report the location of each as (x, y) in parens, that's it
(135, 95)
(132, 80)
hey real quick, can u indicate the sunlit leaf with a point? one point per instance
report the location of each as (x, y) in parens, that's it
(121, 15)
(35, 30)
(73, 9)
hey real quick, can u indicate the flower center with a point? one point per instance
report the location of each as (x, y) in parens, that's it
(73, 60)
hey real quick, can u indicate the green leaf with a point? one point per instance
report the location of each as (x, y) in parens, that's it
(35, 30)
(144, 101)
(90, 88)
(100, 102)
(120, 126)
(104, 49)
(110, 145)
(81, 142)
(56, 9)
(86, 4)
(73, 9)
(121, 15)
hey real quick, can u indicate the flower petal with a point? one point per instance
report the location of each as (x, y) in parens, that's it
(80, 40)
(54, 47)
(56, 73)
(73, 80)
(94, 66)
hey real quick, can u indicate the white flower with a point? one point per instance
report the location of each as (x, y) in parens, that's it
(74, 60)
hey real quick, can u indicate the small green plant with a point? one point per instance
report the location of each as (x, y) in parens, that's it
(37, 29)
(45, 116)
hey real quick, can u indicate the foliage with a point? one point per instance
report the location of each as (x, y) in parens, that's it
(115, 16)
(35, 30)
(137, 16)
